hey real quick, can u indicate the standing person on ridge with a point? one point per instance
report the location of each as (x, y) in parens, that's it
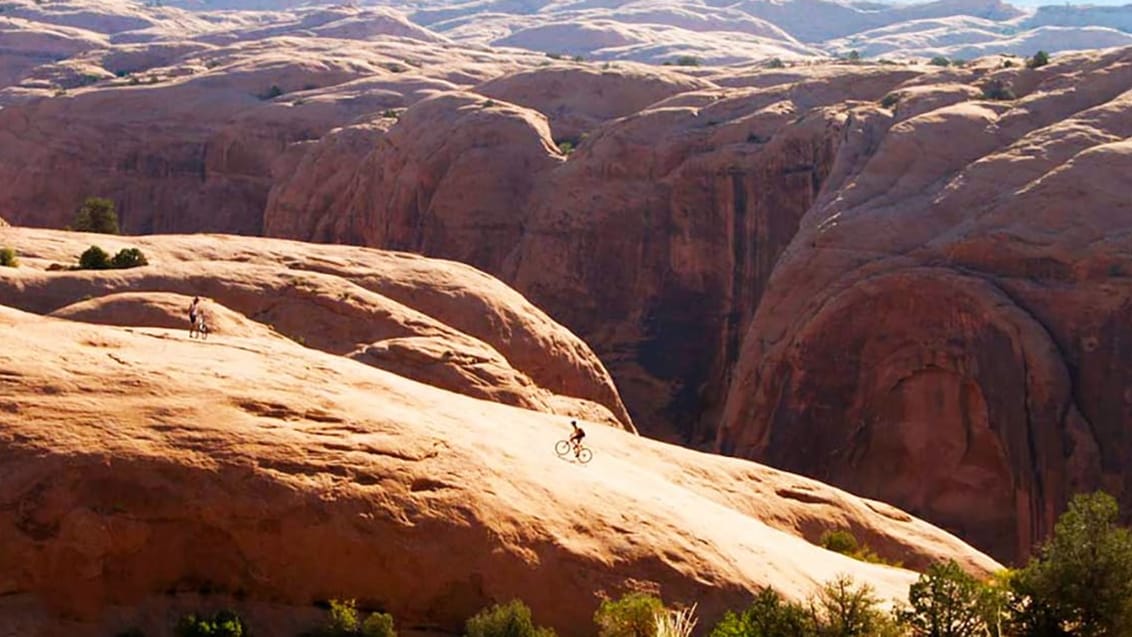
(194, 313)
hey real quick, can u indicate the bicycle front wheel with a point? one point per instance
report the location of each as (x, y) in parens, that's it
(562, 447)
(585, 455)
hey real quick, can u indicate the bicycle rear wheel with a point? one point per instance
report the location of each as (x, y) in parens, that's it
(562, 447)
(585, 455)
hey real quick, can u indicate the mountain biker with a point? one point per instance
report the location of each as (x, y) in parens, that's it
(576, 436)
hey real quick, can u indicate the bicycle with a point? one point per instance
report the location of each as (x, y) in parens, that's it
(583, 454)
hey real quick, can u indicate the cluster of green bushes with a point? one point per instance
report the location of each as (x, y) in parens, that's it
(100, 215)
(95, 258)
(1079, 584)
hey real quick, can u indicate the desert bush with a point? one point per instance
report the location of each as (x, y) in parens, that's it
(634, 615)
(344, 620)
(224, 623)
(512, 619)
(94, 258)
(128, 258)
(566, 146)
(1080, 580)
(687, 60)
(767, 616)
(998, 90)
(775, 63)
(96, 215)
(947, 602)
(1040, 59)
(890, 100)
(841, 608)
(839, 541)
(271, 93)
(939, 60)
(8, 258)
(378, 625)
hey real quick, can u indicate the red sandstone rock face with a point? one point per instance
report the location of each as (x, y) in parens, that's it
(463, 162)
(143, 467)
(943, 332)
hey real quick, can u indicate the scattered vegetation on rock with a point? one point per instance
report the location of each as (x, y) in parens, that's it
(344, 621)
(512, 619)
(8, 258)
(224, 623)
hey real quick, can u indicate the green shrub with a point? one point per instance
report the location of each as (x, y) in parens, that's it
(767, 616)
(566, 147)
(998, 90)
(1040, 59)
(344, 621)
(634, 615)
(687, 60)
(1080, 581)
(890, 100)
(8, 258)
(775, 63)
(97, 215)
(94, 258)
(512, 619)
(844, 609)
(128, 258)
(947, 602)
(939, 60)
(839, 541)
(343, 618)
(224, 623)
(378, 625)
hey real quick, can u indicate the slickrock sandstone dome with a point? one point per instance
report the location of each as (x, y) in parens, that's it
(142, 467)
(442, 323)
(837, 268)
